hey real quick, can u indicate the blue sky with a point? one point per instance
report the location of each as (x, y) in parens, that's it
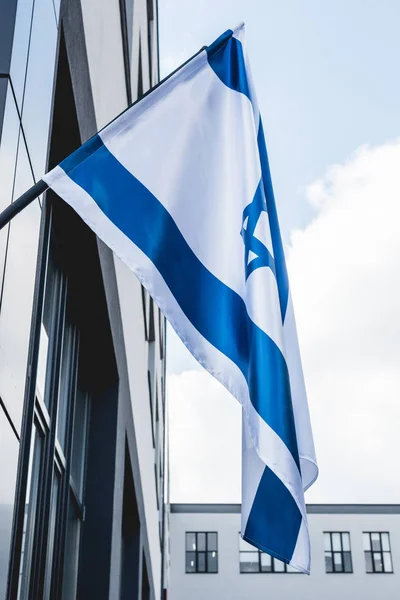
(326, 76)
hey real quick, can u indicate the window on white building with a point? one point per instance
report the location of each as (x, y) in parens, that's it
(252, 560)
(202, 552)
(337, 552)
(378, 556)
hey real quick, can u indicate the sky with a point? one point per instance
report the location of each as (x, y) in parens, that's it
(326, 76)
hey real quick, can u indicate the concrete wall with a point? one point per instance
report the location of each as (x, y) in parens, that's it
(230, 584)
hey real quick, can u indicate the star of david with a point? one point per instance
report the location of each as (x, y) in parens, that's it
(256, 253)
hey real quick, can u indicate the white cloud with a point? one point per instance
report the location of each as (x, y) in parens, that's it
(344, 270)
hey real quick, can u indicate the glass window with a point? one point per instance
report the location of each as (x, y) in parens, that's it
(18, 288)
(39, 83)
(8, 471)
(252, 560)
(201, 552)
(337, 552)
(377, 553)
(21, 41)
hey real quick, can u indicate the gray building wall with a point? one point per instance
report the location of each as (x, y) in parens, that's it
(230, 584)
(104, 41)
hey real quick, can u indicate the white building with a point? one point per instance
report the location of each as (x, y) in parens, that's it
(355, 556)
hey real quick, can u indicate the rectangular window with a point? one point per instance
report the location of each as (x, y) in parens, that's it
(377, 552)
(252, 560)
(202, 552)
(337, 552)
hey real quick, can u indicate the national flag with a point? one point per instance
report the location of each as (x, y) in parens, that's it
(179, 187)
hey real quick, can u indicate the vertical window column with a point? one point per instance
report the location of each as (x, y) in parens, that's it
(377, 552)
(201, 552)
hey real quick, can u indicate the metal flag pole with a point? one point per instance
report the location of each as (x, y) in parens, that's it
(30, 195)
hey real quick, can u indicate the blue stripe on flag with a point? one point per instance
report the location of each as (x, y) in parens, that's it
(279, 256)
(225, 57)
(213, 308)
(275, 519)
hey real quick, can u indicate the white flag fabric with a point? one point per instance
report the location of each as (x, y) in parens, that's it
(179, 188)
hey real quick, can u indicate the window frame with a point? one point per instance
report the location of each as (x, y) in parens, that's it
(273, 570)
(342, 552)
(197, 552)
(381, 552)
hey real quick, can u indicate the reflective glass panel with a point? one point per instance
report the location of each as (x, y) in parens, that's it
(190, 562)
(201, 562)
(347, 562)
(71, 556)
(190, 541)
(266, 562)
(387, 562)
(337, 561)
(327, 541)
(385, 541)
(346, 542)
(52, 529)
(201, 541)
(378, 564)
(9, 448)
(328, 562)
(376, 541)
(39, 83)
(212, 562)
(19, 282)
(336, 541)
(79, 441)
(30, 514)
(366, 541)
(368, 562)
(249, 562)
(212, 541)
(66, 381)
(21, 40)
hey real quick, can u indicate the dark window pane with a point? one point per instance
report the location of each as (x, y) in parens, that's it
(212, 541)
(66, 382)
(387, 562)
(212, 562)
(347, 562)
(201, 562)
(71, 555)
(328, 562)
(8, 470)
(249, 562)
(378, 564)
(79, 440)
(191, 541)
(201, 542)
(376, 542)
(190, 562)
(368, 562)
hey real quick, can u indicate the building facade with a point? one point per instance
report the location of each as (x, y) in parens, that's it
(355, 553)
(82, 411)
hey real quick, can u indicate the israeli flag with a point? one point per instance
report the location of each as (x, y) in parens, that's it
(179, 187)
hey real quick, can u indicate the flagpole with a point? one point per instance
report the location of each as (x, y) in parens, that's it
(30, 195)
(22, 202)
